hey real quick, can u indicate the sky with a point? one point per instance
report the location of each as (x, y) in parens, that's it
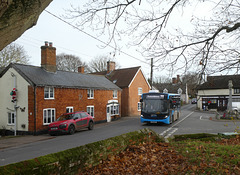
(69, 40)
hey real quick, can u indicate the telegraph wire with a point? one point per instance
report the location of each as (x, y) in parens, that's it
(93, 36)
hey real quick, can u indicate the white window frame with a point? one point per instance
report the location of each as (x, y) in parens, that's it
(115, 92)
(90, 94)
(12, 118)
(69, 109)
(236, 91)
(90, 110)
(139, 106)
(52, 118)
(139, 91)
(47, 91)
(114, 109)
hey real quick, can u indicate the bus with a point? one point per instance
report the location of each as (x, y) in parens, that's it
(160, 107)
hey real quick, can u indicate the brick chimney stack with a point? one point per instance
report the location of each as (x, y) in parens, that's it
(48, 57)
(81, 69)
(178, 78)
(110, 66)
(174, 80)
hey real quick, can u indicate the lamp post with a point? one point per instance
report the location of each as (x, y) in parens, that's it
(230, 85)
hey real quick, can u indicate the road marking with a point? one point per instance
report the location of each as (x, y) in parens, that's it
(174, 129)
(171, 133)
(204, 118)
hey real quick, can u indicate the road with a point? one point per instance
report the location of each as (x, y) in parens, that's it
(190, 122)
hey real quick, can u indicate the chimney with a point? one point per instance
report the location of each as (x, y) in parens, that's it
(81, 69)
(48, 57)
(110, 66)
(178, 78)
(174, 80)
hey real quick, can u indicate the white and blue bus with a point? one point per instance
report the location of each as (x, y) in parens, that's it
(160, 107)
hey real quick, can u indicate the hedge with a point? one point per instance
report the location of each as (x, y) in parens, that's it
(75, 160)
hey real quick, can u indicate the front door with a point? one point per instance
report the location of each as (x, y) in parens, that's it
(108, 113)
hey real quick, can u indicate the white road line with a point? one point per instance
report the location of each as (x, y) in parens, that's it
(202, 118)
(164, 132)
(171, 133)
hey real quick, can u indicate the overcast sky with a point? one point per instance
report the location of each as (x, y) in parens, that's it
(68, 40)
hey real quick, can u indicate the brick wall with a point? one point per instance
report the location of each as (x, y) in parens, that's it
(125, 101)
(30, 108)
(134, 98)
(65, 97)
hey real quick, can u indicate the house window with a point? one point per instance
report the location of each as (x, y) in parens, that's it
(90, 94)
(11, 116)
(90, 110)
(139, 91)
(48, 93)
(139, 106)
(236, 91)
(115, 94)
(48, 116)
(115, 109)
(69, 109)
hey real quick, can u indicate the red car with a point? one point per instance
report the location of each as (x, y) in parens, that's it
(70, 122)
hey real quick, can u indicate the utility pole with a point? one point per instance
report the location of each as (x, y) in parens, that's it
(151, 74)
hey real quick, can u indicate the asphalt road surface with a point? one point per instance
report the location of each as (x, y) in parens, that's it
(191, 121)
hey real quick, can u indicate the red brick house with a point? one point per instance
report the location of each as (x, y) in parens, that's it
(132, 82)
(44, 93)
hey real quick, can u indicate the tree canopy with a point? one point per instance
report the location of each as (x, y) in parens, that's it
(209, 44)
(99, 63)
(13, 53)
(68, 62)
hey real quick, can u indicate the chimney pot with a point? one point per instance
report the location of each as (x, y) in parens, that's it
(50, 44)
(46, 43)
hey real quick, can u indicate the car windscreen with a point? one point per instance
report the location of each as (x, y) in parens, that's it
(65, 117)
(154, 106)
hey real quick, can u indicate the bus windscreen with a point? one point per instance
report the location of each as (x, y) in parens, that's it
(154, 106)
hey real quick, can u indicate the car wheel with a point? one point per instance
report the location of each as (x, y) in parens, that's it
(90, 126)
(52, 134)
(71, 129)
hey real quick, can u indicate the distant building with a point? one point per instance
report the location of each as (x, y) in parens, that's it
(176, 87)
(214, 94)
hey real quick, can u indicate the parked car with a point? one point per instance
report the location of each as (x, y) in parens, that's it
(194, 101)
(71, 122)
(236, 106)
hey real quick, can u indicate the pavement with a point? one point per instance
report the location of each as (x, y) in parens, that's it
(14, 141)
